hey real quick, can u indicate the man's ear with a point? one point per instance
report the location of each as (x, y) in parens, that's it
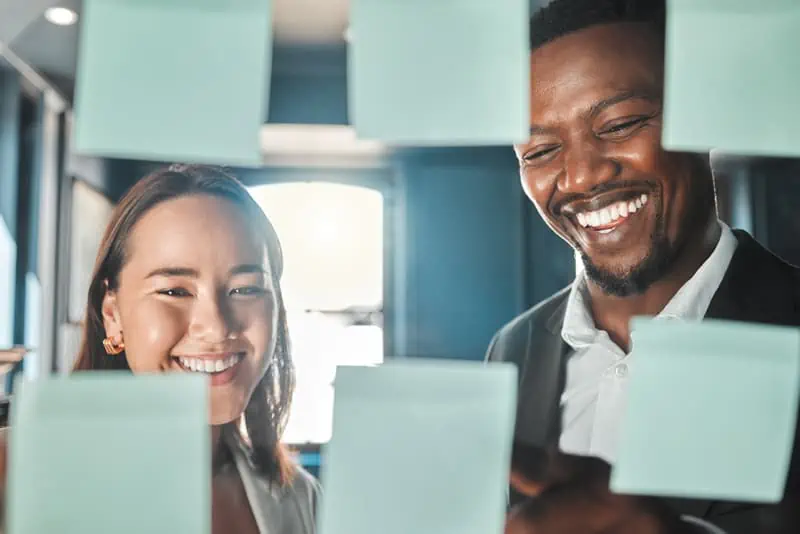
(110, 312)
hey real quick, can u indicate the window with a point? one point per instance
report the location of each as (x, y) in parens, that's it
(332, 239)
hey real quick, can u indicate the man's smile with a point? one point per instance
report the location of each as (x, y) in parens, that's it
(617, 219)
(605, 219)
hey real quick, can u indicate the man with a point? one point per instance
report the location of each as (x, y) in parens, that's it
(644, 222)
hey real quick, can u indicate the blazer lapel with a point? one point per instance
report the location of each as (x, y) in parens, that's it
(538, 420)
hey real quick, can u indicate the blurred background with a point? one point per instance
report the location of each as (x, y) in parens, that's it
(390, 252)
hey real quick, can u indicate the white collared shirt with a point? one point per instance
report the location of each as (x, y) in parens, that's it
(596, 389)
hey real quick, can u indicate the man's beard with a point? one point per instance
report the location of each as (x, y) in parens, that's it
(663, 254)
(637, 279)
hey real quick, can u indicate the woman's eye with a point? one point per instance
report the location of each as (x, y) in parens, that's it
(247, 291)
(174, 292)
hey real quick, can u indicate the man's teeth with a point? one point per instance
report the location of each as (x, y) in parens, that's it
(609, 214)
(205, 365)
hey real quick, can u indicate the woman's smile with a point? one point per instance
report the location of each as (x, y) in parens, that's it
(221, 367)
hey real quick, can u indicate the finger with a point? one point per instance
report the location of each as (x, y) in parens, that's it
(582, 468)
(535, 468)
(524, 485)
(520, 525)
(563, 509)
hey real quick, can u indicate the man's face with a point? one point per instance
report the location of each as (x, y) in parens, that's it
(594, 167)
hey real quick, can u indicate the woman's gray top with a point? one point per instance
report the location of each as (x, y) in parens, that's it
(280, 510)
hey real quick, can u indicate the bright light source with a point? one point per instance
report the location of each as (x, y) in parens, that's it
(325, 231)
(61, 16)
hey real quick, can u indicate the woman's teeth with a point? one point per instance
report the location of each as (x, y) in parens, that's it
(206, 365)
(610, 214)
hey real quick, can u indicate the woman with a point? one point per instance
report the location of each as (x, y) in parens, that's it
(187, 280)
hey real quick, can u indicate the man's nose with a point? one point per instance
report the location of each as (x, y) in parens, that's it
(586, 166)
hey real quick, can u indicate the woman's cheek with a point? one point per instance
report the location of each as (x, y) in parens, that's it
(153, 332)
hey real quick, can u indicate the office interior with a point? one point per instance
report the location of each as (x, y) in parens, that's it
(442, 250)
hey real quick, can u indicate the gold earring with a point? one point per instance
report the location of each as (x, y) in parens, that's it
(112, 349)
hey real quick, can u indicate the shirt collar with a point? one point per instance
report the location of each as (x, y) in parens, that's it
(690, 302)
(693, 299)
(579, 329)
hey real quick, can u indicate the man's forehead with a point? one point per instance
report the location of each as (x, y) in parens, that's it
(597, 63)
(617, 49)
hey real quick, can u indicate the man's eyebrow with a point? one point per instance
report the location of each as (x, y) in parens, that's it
(597, 107)
(635, 94)
(539, 130)
(173, 271)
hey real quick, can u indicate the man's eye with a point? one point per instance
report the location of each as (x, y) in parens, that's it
(174, 292)
(624, 126)
(537, 154)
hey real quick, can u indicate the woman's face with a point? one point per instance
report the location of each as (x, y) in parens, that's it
(196, 295)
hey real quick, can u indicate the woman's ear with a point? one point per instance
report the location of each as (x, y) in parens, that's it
(110, 312)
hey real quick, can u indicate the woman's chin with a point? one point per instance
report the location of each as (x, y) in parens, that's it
(224, 411)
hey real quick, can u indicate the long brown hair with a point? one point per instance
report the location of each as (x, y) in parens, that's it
(267, 412)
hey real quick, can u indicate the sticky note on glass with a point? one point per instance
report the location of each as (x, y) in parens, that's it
(174, 80)
(733, 76)
(711, 412)
(449, 72)
(419, 447)
(136, 448)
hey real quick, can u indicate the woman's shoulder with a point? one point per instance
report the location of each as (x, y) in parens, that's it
(291, 507)
(305, 490)
(304, 483)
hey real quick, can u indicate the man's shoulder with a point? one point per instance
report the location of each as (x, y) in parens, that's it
(517, 332)
(540, 314)
(758, 286)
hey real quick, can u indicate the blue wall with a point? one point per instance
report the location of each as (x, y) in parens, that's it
(465, 255)
(308, 85)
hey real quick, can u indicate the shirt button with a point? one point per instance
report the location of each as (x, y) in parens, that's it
(622, 371)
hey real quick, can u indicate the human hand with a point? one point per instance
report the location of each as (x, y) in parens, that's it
(569, 494)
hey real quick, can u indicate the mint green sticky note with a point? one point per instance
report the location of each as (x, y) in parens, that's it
(173, 80)
(444, 72)
(711, 412)
(419, 446)
(733, 77)
(96, 453)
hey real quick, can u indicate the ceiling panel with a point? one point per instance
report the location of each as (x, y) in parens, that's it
(53, 49)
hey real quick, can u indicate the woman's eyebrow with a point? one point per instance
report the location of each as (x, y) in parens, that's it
(173, 271)
(245, 268)
(248, 268)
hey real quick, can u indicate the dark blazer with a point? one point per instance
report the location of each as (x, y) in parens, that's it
(758, 287)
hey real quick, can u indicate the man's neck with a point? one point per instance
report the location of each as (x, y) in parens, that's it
(613, 314)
